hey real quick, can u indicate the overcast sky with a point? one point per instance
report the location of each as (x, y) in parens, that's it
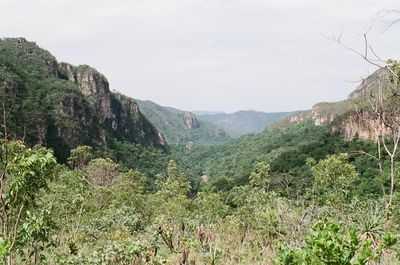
(223, 55)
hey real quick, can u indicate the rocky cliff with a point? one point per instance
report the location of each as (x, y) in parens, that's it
(320, 114)
(92, 84)
(61, 106)
(352, 117)
(370, 84)
(190, 120)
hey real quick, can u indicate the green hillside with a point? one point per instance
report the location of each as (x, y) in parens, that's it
(61, 106)
(286, 151)
(179, 126)
(86, 178)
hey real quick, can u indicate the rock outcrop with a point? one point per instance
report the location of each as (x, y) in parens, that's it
(362, 125)
(92, 84)
(352, 117)
(346, 120)
(370, 83)
(320, 114)
(131, 123)
(190, 120)
(63, 106)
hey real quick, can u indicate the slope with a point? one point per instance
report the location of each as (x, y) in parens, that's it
(181, 126)
(62, 106)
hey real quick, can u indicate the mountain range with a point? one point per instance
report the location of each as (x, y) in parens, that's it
(62, 106)
(242, 122)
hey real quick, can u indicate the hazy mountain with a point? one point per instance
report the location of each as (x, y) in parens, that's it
(242, 122)
(328, 128)
(205, 112)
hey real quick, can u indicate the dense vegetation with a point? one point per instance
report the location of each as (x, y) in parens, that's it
(302, 195)
(180, 127)
(286, 151)
(95, 211)
(43, 106)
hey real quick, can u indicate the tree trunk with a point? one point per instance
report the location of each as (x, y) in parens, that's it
(391, 179)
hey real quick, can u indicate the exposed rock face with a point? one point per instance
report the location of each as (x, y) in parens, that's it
(120, 114)
(160, 139)
(131, 122)
(362, 125)
(320, 114)
(95, 86)
(92, 84)
(299, 117)
(370, 83)
(66, 71)
(190, 120)
(63, 106)
(343, 117)
(73, 107)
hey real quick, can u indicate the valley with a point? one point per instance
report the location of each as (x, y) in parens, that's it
(92, 176)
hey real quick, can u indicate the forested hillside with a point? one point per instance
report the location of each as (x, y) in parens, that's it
(61, 106)
(181, 127)
(85, 178)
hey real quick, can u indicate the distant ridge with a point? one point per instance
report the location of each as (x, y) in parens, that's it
(243, 122)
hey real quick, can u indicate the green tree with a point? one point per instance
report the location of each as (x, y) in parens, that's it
(101, 172)
(35, 234)
(80, 157)
(171, 208)
(330, 242)
(260, 176)
(23, 173)
(333, 177)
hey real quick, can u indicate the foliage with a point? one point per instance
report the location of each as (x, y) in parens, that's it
(45, 105)
(24, 173)
(330, 242)
(302, 195)
(172, 124)
(286, 152)
(80, 157)
(260, 177)
(101, 172)
(333, 176)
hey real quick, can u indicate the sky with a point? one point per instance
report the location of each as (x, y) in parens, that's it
(213, 55)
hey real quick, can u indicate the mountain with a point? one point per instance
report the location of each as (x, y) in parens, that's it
(328, 128)
(62, 106)
(321, 113)
(242, 122)
(181, 126)
(352, 117)
(205, 112)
